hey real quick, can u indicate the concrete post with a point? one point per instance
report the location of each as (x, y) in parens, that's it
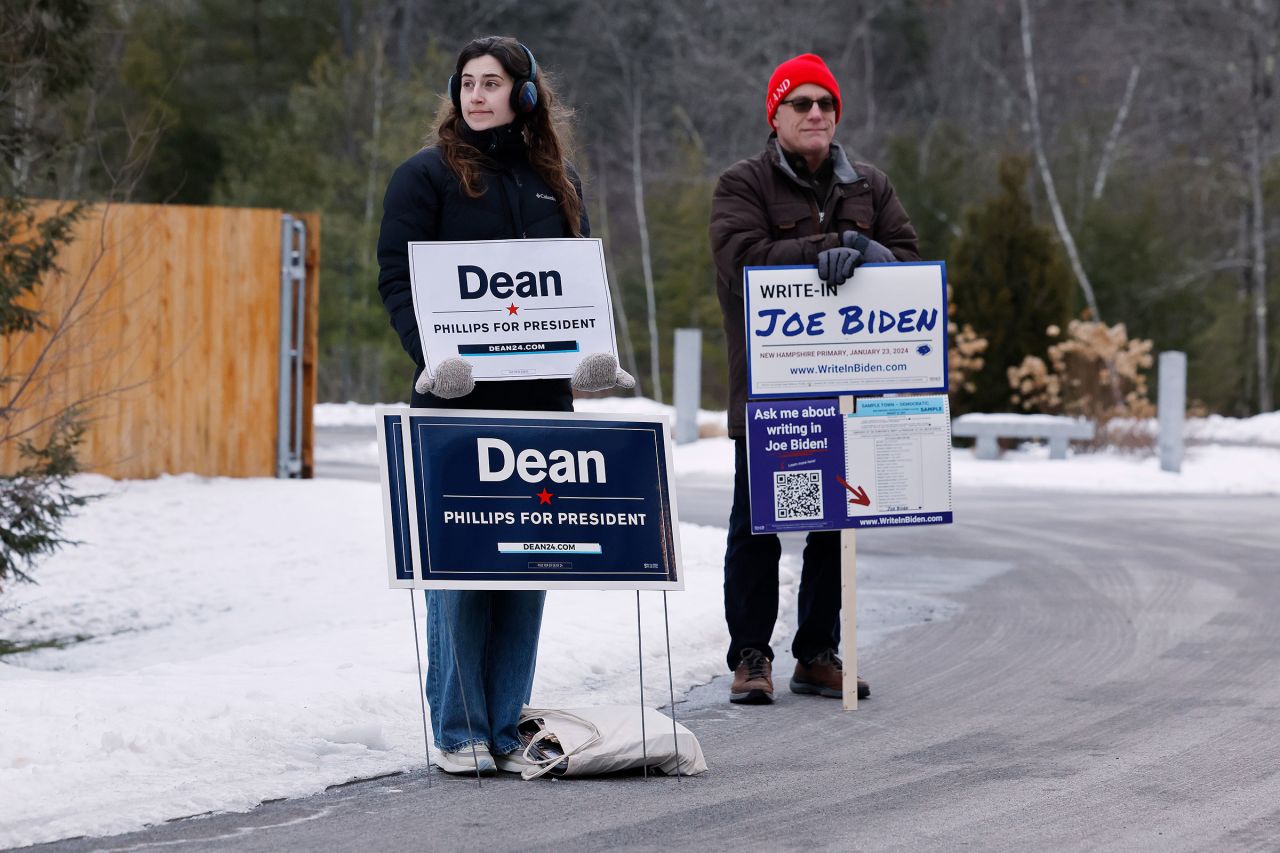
(1172, 408)
(688, 377)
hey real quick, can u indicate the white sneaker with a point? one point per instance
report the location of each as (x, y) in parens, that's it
(514, 762)
(463, 761)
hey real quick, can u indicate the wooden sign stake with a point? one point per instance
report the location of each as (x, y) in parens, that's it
(849, 599)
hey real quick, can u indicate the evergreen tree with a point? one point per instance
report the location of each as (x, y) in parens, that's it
(204, 70)
(933, 180)
(1010, 283)
(347, 127)
(1132, 255)
(45, 55)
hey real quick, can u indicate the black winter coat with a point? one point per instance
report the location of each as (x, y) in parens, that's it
(425, 201)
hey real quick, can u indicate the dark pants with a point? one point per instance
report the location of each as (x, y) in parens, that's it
(751, 581)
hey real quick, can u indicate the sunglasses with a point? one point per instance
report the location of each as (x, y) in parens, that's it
(802, 105)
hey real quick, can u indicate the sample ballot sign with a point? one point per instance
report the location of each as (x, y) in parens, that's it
(528, 500)
(883, 331)
(888, 463)
(514, 309)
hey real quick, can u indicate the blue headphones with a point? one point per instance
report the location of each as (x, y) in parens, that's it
(524, 93)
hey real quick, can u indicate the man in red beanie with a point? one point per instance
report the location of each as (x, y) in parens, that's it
(800, 201)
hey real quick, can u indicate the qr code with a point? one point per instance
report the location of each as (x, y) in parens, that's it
(797, 495)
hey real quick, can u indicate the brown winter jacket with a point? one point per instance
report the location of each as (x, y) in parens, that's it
(762, 214)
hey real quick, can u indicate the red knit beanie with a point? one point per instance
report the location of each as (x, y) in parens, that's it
(805, 68)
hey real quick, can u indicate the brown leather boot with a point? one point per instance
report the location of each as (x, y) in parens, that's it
(753, 679)
(824, 676)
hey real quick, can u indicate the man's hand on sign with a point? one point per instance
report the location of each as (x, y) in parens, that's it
(836, 265)
(452, 379)
(872, 252)
(599, 371)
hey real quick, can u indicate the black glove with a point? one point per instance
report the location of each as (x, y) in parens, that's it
(836, 265)
(872, 252)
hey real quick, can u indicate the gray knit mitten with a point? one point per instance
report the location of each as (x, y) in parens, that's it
(452, 379)
(599, 371)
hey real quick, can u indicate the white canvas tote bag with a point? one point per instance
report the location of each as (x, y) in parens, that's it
(606, 739)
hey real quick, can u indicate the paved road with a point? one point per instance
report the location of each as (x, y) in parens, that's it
(330, 464)
(1113, 684)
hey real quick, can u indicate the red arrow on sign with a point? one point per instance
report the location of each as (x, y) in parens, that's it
(859, 494)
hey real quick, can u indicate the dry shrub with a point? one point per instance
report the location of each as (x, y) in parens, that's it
(964, 358)
(1096, 372)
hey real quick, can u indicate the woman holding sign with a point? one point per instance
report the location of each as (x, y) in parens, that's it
(497, 171)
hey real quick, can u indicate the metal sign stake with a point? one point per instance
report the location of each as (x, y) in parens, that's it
(422, 698)
(644, 738)
(671, 685)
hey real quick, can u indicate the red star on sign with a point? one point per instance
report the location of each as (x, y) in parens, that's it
(544, 497)
(512, 308)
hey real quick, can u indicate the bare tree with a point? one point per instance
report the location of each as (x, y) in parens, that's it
(642, 224)
(1042, 163)
(619, 307)
(1264, 51)
(630, 92)
(1113, 137)
(1221, 56)
(381, 21)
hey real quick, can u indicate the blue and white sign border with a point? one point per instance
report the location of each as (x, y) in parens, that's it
(395, 518)
(671, 517)
(854, 390)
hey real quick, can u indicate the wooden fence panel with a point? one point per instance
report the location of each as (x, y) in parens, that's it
(171, 341)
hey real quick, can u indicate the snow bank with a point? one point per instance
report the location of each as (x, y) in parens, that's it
(245, 647)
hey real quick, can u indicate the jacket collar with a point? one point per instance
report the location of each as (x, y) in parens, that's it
(844, 171)
(500, 143)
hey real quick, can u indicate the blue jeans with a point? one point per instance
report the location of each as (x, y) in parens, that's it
(494, 635)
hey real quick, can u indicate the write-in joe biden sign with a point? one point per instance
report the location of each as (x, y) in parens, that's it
(883, 331)
(529, 501)
(514, 309)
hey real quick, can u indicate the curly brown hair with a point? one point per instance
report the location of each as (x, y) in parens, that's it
(546, 130)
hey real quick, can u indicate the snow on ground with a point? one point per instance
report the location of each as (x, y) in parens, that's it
(1214, 461)
(245, 647)
(360, 415)
(242, 644)
(1210, 469)
(1261, 429)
